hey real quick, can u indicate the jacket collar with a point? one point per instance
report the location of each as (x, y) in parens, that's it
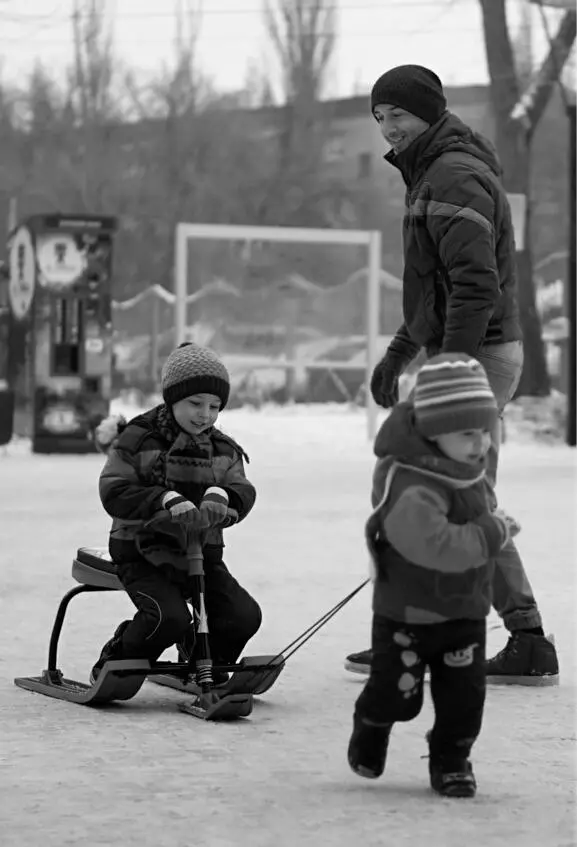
(414, 161)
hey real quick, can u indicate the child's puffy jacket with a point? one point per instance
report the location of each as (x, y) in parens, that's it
(151, 456)
(432, 536)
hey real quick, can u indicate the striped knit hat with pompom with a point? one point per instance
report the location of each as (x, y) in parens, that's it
(191, 369)
(452, 393)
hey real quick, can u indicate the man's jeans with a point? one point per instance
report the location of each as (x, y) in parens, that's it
(512, 593)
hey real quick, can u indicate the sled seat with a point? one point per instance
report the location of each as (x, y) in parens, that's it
(93, 566)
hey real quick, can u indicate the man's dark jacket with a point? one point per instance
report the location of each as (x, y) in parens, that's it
(459, 282)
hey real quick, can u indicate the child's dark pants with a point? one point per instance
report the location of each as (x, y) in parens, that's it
(163, 617)
(455, 654)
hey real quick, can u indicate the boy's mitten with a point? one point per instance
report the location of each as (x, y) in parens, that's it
(181, 510)
(513, 525)
(231, 518)
(215, 505)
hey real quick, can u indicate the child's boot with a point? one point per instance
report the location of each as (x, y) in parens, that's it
(111, 650)
(452, 776)
(368, 747)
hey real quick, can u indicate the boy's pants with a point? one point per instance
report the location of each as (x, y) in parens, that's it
(163, 617)
(455, 654)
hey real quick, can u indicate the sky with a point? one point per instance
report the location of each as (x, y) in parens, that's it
(373, 35)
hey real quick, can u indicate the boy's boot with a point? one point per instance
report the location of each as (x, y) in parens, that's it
(526, 659)
(359, 662)
(111, 650)
(368, 747)
(451, 774)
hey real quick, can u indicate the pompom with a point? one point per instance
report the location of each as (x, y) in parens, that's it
(107, 431)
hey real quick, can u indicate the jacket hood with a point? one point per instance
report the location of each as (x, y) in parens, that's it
(448, 135)
(399, 440)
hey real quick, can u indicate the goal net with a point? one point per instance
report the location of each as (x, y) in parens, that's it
(294, 312)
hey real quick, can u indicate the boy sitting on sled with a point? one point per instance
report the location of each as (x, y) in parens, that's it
(173, 459)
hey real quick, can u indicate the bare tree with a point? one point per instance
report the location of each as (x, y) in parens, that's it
(302, 33)
(513, 137)
(92, 98)
(192, 159)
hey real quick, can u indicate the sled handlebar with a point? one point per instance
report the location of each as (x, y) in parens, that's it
(164, 515)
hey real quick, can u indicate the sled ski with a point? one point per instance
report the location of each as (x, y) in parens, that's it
(118, 680)
(253, 675)
(212, 707)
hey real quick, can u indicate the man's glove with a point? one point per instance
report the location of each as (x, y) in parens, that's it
(385, 379)
(214, 505)
(181, 510)
(385, 384)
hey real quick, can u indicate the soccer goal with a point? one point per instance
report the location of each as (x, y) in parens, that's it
(186, 233)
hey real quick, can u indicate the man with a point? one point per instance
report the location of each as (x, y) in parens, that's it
(459, 296)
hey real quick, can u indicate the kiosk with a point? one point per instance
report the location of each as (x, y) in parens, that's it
(59, 364)
(6, 395)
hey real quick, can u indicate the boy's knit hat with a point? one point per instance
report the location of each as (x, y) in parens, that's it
(191, 369)
(452, 393)
(413, 88)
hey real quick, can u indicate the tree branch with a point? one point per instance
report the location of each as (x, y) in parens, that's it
(531, 106)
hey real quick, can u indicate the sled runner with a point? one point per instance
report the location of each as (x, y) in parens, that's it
(253, 675)
(118, 680)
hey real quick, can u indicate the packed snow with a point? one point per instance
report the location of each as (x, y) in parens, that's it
(142, 773)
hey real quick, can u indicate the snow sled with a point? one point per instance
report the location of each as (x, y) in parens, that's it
(122, 679)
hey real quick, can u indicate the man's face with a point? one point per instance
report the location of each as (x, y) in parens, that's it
(398, 127)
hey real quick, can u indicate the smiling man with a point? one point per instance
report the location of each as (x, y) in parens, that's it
(459, 296)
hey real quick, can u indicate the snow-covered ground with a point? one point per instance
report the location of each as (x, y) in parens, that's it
(142, 773)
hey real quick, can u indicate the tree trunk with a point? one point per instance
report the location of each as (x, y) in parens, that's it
(513, 145)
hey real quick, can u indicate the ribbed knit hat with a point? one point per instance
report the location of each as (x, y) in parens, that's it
(452, 393)
(413, 88)
(191, 369)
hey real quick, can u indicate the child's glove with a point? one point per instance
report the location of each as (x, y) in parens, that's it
(214, 505)
(107, 430)
(512, 525)
(181, 510)
(231, 518)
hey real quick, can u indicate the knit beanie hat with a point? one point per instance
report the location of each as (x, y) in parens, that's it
(191, 369)
(413, 88)
(452, 393)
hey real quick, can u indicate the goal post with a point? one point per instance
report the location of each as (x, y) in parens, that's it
(371, 239)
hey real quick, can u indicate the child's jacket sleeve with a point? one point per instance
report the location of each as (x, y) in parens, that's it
(122, 487)
(417, 527)
(241, 492)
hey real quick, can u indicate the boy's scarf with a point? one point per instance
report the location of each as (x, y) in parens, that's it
(185, 466)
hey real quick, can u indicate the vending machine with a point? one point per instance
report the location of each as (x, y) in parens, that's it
(60, 329)
(6, 394)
